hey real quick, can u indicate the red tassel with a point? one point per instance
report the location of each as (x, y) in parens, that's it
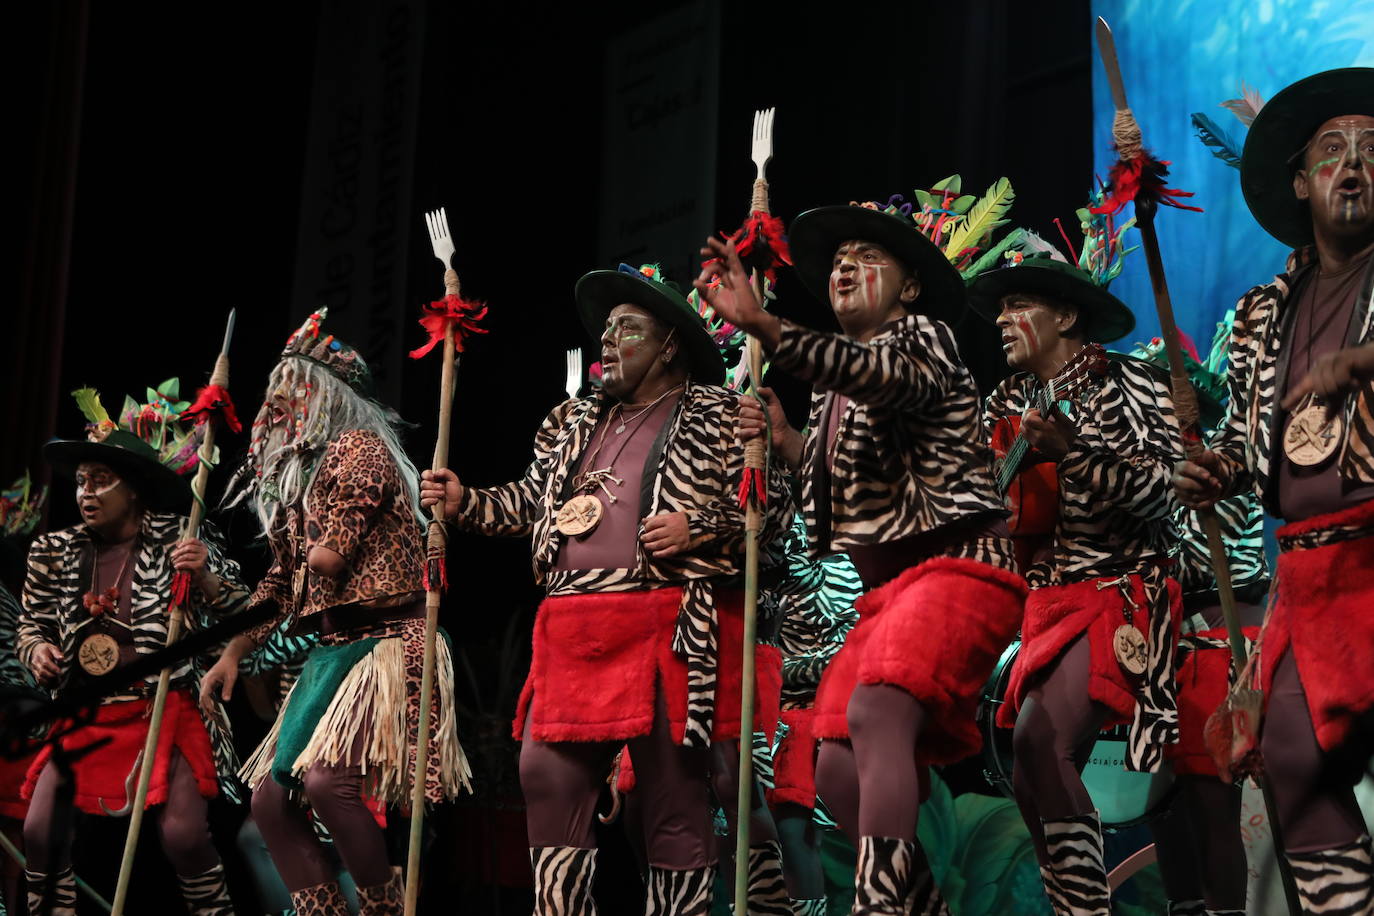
(1141, 177)
(753, 479)
(181, 589)
(212, 400)
(761, 244)
(436, 574)
(461, 312)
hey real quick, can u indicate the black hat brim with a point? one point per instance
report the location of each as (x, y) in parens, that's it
(1282, 127)
(1104, 318)
(600, 291)
(159, 487)
(816, 234)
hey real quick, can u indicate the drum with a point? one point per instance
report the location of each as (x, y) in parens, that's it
(1123, 798)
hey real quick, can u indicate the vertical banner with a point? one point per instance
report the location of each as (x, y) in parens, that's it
(356, 219)
(658, 164)
(1178, 58)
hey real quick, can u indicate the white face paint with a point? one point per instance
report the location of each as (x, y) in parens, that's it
(866, 283)
(95, 480)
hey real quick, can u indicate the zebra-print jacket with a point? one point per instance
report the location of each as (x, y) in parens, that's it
(694, 466)
(909, 453)
(1258, 372)
(1116, 500)
(1242, 532)
(59, 573)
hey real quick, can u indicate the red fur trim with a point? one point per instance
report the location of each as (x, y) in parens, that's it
(1320, 612)
(794, 761)
(104, 774)
(1359, 515)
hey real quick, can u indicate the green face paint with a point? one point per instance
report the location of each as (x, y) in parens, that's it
(1312, 172)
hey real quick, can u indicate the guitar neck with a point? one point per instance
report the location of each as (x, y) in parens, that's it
(1006, 471)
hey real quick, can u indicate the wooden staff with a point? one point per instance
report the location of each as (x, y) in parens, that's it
(435, 557)
(148, 756)
(1127, 136)
(756, 466)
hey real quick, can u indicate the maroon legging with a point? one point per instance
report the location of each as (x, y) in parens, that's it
(1317, 808)
(1055, 731)
(885, 724)
(1197, 841)
(561, 782)
(336, 795)
(837, 783)
(182, 824)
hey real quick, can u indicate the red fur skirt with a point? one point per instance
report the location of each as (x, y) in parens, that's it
(104, 775)
(599, 658)
(1057, 615)
(1203, 679)
(794, 761)
(1324, 613)
(935, 631)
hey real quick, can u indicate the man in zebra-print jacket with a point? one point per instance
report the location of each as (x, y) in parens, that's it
(896, 473)
(1299, 434)
(632, 505)
(96, 596)
(1103, 573)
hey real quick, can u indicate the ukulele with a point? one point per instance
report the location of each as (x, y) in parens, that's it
(1088, 363)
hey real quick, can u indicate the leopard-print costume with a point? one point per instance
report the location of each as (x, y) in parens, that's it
(320, 900)
(359, 508)
(382, 899)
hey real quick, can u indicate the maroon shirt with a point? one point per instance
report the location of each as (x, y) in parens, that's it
(1321, 325)
(613, 543)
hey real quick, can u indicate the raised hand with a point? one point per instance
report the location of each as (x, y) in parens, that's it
(726, 286)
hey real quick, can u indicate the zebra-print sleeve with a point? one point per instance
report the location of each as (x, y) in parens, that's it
(720, 521)
(39, 622)
(1131, 468)
(997, 405)
(233, 594)
(510, 510)
(902, 371)
(1228, 440)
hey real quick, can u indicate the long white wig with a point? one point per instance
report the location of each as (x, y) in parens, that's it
(284, 454)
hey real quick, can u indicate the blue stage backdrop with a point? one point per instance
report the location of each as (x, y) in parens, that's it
(1183, 56)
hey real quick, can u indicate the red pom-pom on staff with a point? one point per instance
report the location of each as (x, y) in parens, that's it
(1141, 176)
(213, 400)
(464, 315)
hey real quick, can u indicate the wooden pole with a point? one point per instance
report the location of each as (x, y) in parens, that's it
(755, 458)
(434, 547)
(149, 754)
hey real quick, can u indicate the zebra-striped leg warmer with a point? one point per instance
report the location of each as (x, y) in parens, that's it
(60, 897)
(1074, 846)
(320, 900)
(767, 889)
(563, 880)
(924, 898)
(385, 899)
(1335, 881)
(883, 876)
(1187, 908)
(679, 893)
(811, 906)
(207, 894)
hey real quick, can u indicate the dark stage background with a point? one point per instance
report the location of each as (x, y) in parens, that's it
(167, 152)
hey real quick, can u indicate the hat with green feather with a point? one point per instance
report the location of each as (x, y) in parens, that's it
(941, 237)
(1035, 267)
(150, 446)
(600, 291)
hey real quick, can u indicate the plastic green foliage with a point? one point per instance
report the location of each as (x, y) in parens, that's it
(952, 183)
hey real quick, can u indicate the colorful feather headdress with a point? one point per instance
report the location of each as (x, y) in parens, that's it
(21, 506)
(1102, 253)
(960, 225)
(1215, 137)
(158, 422)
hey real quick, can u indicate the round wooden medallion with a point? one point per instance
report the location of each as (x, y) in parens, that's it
(1311, 436)
(580, 515)
(98, 654)
(1129, 644)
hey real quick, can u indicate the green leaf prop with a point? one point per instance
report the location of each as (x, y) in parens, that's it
(986, 215)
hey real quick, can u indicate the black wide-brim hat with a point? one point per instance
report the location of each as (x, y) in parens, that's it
(1102, 316)
(600, 291)
(1282, 128)
(159, 487)
(816, 234)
